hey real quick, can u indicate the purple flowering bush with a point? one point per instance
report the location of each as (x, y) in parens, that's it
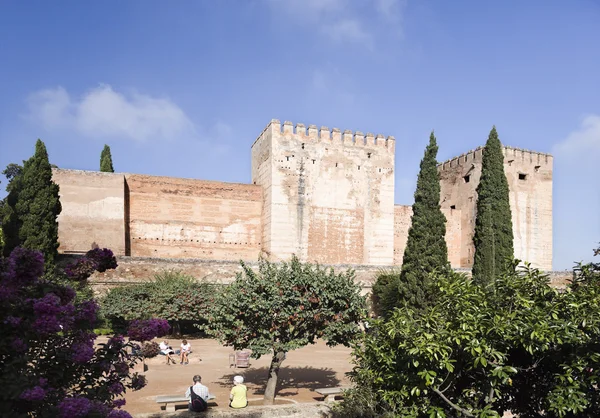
(50, 366)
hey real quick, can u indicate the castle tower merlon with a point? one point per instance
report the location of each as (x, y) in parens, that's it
(359, 138)
(370, 139)
(347, 137)
(336, 135)
(312, 132)
(391, 143)
(288, 127)
(325, 134)
(380, 140)
(301, 129)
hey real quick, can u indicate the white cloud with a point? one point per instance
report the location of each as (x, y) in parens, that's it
(348, 29)
(391, 9)
(343, 20)
(103, 112)
(576, 197)
(583, 141)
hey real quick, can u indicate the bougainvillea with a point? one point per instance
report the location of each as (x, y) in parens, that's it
(51, 366)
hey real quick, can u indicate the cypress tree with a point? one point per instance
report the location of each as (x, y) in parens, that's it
(493, 237)
(106, 163)
(38, 205)
(8, 214)
(426, 248)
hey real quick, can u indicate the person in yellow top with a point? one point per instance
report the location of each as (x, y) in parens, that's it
(238, 398)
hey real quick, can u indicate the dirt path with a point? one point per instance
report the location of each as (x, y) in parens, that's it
(303, 371)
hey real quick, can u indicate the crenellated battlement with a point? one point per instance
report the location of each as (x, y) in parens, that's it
(335, 135)
(520, 154)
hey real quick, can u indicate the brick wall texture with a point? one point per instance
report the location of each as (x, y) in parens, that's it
(325, 195)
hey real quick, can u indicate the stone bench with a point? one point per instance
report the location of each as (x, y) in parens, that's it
(330, 393)
(171, 400)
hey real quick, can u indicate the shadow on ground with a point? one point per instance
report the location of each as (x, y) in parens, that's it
(291, 379)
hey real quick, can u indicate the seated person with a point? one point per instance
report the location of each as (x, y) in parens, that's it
(166, 350)
(197, 395)
(186, 348)
(238, 398)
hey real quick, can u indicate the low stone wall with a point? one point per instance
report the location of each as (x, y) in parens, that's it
(137, 269)
(304, 410)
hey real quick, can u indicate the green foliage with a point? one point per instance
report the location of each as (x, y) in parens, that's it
(32, 206)
(106, 163)
(103, 331)
(493, 237)
(171, 295)
(524, 347)
(8, 215)
(284, 307)
(426, 248)
(287, 306)
(385, 291)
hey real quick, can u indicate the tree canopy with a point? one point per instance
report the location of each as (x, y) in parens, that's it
(493, 238)
(426, 248)
(525, 347)
(32, 206)
(283, 307)
(106, 164)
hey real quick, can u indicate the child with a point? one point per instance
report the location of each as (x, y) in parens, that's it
(238, 398)
(186, 348)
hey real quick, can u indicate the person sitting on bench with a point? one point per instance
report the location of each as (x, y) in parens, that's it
(166, 350)
(197, 395)
(238, 398)
(186, 349)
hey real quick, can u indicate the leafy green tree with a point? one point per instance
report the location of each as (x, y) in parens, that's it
(283, 307)
(426, 248)
(384, 291)
(493, 237)
(38, 205)
(10, 221)
(525, 347)
(171, 295)
(106, 163)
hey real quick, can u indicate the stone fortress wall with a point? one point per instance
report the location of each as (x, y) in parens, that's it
(325, 195)
(529, 176)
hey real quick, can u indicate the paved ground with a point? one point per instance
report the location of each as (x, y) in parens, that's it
(303, 371)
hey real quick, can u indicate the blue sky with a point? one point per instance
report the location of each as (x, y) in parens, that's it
(183, 88)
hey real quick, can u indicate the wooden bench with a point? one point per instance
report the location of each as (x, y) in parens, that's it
(330, 393)
(171, 400)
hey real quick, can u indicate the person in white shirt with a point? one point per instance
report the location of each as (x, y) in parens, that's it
(199, 391)
(186, 348)
(166, 350)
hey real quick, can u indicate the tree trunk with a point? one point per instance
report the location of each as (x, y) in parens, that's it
(273, 374)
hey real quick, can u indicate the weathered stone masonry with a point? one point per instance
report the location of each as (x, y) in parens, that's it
(325, 195)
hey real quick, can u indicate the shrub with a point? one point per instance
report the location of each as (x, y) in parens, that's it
(150, 349)
(519, 346)
(173, 296)
(50, 367)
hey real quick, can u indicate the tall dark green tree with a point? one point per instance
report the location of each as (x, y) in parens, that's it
(8, 214)
(493, 237)
(38, 205)
(106, 163)
(426, 248)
